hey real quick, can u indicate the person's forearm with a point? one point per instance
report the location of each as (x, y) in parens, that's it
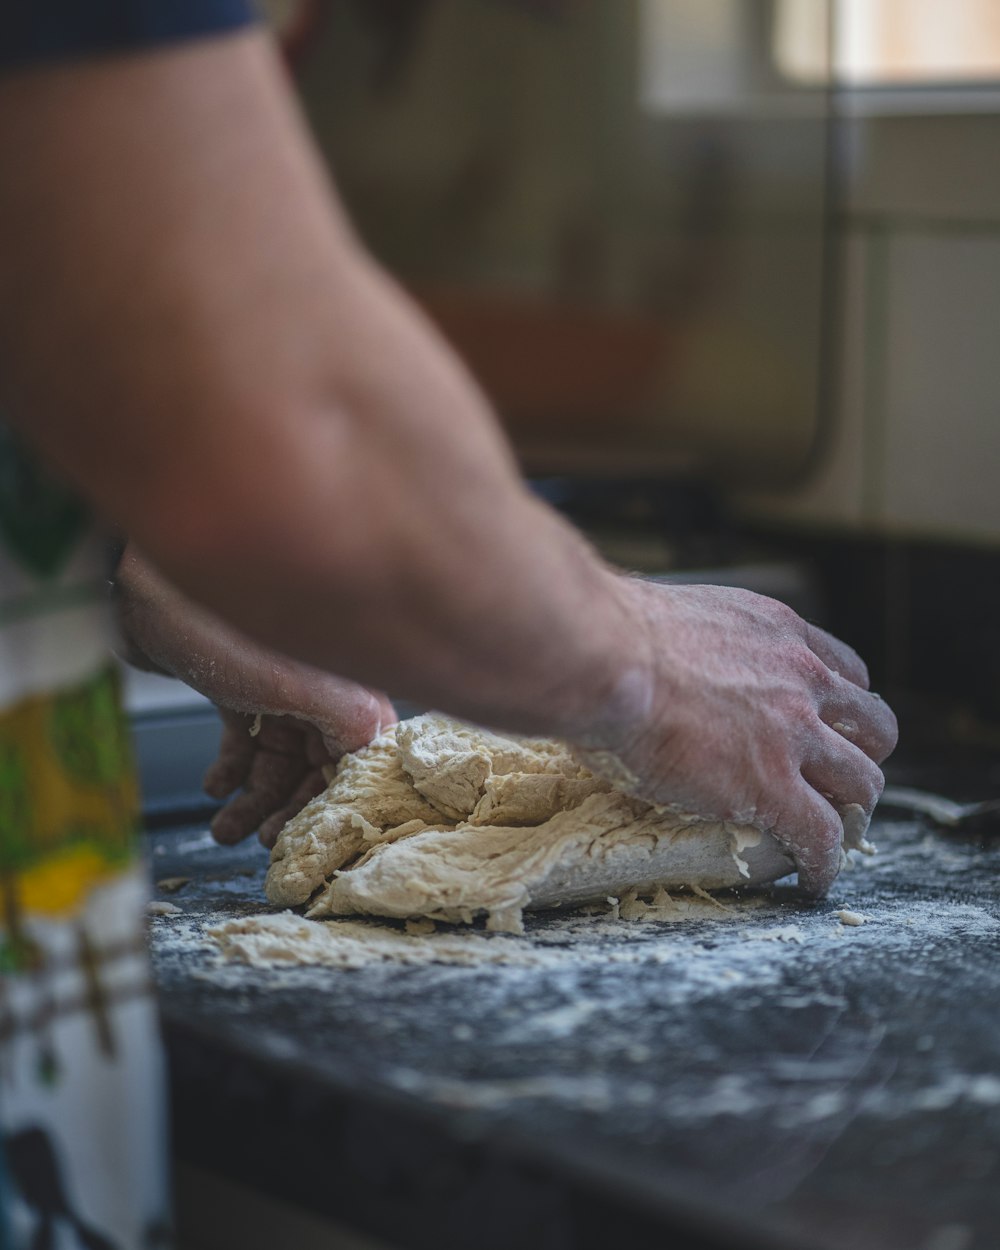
(266, 414)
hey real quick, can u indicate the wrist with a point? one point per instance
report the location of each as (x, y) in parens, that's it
(623, 702)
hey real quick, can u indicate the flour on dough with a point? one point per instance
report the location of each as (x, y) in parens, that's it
(441, 820)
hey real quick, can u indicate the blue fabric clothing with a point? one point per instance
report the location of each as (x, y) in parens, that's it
(50, 30)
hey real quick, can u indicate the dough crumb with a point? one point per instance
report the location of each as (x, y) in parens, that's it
(742, 839)
(170, 885)
(420, 928)
(709, 898)
(255, 727)
(852, 918)
(160, 908)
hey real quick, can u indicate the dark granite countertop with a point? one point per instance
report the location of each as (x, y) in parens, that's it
(770, 1078)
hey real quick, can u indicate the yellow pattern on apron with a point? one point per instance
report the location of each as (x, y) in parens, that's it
(68, 802)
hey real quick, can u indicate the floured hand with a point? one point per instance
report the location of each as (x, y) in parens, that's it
(752, 716)
(271, 765)
(282, 720)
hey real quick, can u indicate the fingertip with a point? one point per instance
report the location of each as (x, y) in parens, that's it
(226, 830)
(856, 820)
(217, 784)
(389, 715)
(815, 883)
(356, 727)
(235, 756)
(815, 836)
(267, 834)
(819, 865)
(890, 731)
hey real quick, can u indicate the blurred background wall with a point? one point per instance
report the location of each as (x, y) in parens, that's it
(615, 209)
(621, 211)
(915, 445)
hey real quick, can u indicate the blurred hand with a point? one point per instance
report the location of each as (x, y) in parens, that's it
(276, 764)
(282, 721)
(755, 716)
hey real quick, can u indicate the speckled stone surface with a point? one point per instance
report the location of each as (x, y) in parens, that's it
(772, 1077)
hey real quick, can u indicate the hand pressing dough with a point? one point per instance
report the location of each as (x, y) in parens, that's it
(442, 820)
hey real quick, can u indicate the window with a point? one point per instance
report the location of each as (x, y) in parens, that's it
(881, 43)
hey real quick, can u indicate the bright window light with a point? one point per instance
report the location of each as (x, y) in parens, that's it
(891, 42)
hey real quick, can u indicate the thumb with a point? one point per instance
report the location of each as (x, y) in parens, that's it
(350, 716)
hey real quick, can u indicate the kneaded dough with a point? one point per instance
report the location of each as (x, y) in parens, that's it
(443, 820)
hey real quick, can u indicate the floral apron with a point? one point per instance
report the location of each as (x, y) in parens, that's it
(82, 1130)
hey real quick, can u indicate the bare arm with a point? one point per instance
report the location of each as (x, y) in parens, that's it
(192, 333)
(282, 721)
(249, 396)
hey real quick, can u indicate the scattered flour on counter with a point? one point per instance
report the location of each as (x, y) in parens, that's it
(567, 978)
(593, 1093)
(201, 842)
(705, 949)
(731, 1094)
(724, 1095)
(287, 940)
(785, 933)
(982, 1089)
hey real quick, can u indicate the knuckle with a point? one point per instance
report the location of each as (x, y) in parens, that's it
(814, 669)
(854, 668)
(787, 621)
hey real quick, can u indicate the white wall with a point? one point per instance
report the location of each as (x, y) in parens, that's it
(916, 441)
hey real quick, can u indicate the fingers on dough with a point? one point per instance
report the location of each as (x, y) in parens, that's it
(230, 768)
(268, 788)
(814, 832)
(312, 784)
(842, 773)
